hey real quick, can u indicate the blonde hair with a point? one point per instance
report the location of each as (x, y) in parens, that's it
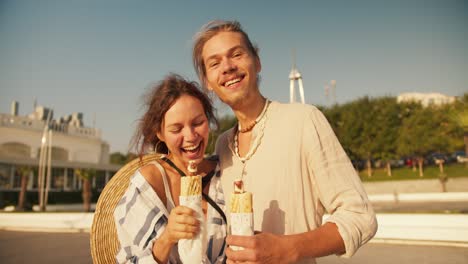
(208, 31)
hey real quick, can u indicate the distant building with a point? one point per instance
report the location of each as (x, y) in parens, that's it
(74, 146)
(426, 99)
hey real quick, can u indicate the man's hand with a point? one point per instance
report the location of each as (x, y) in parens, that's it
(260, 248)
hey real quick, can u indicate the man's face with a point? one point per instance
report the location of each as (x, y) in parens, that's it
(231, 69)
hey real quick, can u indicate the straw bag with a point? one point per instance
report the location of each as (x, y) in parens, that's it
(103, 238)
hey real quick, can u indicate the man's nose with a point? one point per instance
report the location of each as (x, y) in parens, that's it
(228, 65)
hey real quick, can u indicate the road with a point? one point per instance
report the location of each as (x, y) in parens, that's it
(73, 248)
(421, 207)
(402, 254)
(38, 247)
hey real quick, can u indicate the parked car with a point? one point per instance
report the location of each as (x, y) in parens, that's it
(459, 156)
(409, 161)
(433, 157)
(359, 164)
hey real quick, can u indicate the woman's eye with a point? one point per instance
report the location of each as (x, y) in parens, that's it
(175, 131)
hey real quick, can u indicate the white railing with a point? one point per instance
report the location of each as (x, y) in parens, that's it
(413, 228)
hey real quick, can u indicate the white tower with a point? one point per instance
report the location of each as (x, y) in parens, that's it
(333, 90)
(294, 76)
(330, 88)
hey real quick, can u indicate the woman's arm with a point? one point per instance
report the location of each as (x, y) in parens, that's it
(181, 223)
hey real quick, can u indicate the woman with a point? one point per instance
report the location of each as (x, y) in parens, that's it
(149, 219)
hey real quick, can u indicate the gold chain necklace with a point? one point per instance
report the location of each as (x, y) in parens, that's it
(256, 142)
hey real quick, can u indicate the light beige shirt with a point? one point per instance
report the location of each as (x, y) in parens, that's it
(298, 173)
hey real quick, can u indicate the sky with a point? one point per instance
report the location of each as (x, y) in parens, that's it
(99, 57)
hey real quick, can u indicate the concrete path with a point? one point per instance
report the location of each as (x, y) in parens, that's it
(73, 248)
(447, 228)
(30, 247)
(402, 254)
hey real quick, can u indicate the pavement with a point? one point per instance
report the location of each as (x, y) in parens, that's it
(402, 254)
(73, 248)
(437, 237)
(441, 228)
(39, 247)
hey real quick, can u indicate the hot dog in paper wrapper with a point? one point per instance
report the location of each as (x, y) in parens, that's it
(240, 205)
(193, 250)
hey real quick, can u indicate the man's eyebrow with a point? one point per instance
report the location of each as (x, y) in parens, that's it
(228, 51)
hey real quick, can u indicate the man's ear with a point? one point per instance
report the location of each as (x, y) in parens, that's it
(258, 65)
(207, 85)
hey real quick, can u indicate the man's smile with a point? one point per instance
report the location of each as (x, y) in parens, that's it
(233, 81)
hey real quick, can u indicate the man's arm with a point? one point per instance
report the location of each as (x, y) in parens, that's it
(270, 248)
(337, 184)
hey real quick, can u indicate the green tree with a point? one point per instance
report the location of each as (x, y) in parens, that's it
(426, 130)
(459, 115)
(118, 158)
(388, 121)
(358, 130)
(344, 126)
(333, 115)
(130, 156)
(225, 123)
(86, 175)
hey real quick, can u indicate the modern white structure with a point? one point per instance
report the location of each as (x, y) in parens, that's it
(294, 76)
(330, 88)
(72, 146)
(426, 99)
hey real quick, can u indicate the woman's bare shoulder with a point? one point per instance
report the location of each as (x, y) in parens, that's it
(153, 176)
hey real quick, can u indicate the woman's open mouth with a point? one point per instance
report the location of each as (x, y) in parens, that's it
(193, 150)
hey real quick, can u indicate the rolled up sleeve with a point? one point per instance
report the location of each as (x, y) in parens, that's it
(339, 188)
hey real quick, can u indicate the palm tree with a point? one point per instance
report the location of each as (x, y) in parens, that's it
(86, 175)
(24, 171)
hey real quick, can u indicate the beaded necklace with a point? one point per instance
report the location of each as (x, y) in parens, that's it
(252, 125)
(256, 142)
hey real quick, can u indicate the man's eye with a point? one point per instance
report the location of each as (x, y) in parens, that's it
(213, 64)
(237, 54)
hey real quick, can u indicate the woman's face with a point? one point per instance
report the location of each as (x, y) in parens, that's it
(185, 129)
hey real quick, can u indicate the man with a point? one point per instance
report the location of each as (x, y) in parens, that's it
(286, 155)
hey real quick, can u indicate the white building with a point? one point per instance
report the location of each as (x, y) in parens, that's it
(426, 99)
(74, 146)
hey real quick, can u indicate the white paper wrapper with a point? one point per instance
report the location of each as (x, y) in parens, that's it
(241, 225)
(193, 250)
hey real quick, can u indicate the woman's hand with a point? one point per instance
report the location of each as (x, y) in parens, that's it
(182, 224)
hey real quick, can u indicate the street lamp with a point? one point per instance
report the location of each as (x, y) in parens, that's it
(47, 133)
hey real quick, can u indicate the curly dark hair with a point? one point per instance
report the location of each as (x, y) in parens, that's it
(157, 102)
